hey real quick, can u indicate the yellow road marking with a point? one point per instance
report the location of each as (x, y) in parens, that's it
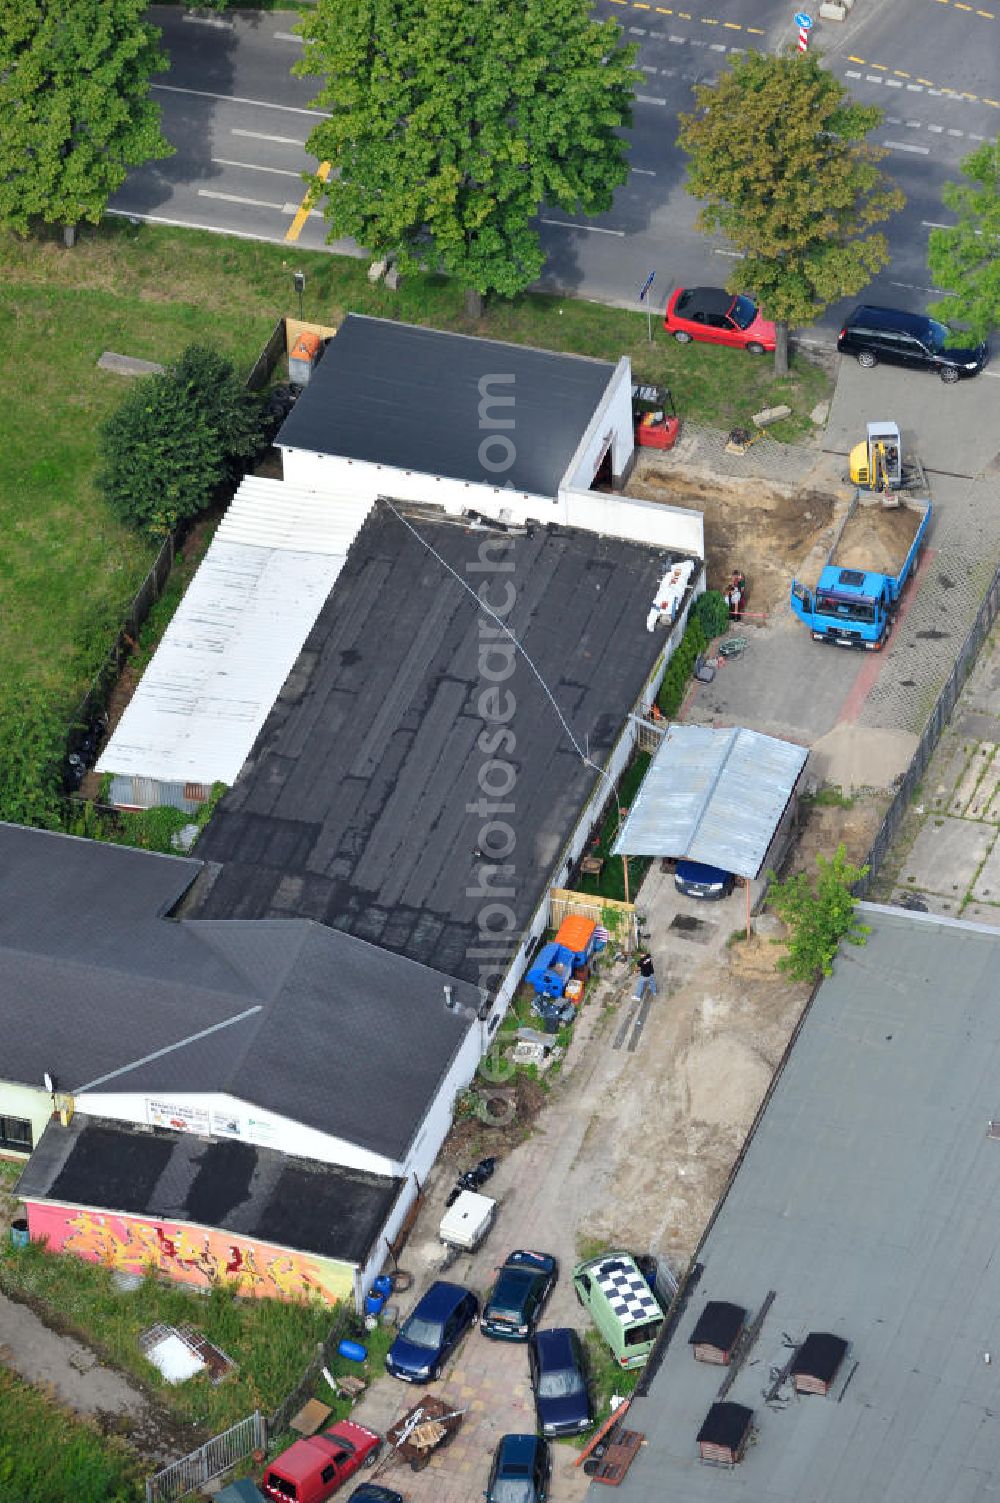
(664, 12)
(684, 15)
(295, 228)
(852, 59)
(882, 67)
(705, 21)
(928, 81)
(994, 102)
(755, 31)
(898, 73)
(637, 6)
(732, 25)
(987, 14)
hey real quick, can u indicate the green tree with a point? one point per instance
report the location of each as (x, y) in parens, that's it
(819, 915)
(74, 101)
(964, 259)
(32, 743)
(176, 439)
(453, 121)
(778, 154)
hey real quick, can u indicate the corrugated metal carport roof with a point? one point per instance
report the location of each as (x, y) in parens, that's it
(713, 796)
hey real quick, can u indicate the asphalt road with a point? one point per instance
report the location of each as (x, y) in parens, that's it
(239, 122)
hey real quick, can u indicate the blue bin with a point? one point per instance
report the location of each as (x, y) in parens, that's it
(19, 1232)
(382, 1285)
(352, 1350)
(374, 1303)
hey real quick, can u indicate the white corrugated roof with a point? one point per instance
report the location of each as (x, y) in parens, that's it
(712, 796)
(236, 634)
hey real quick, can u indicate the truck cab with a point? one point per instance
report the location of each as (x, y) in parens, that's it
(848, 607)
(311, 1470)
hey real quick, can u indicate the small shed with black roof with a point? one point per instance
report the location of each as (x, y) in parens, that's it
(817, 1362)
(717, 1332)
(725, 1432)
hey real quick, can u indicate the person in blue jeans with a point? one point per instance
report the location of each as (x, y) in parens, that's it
(646, 979)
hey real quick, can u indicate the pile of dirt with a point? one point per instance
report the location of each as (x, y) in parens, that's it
(763, 531)
(877, 538)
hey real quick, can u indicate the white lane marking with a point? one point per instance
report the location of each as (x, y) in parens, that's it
(873, 78)
(255, 167)
(893, 120)
(216, 21)
(733, 255)
(914, 124)
(955, 132)
(994, 374)
(913, 287)
(260, 104)
(893, 83)
(259, 135)
(286, 36)
(637, 31)
(974, 137)
(852, 73)
(716, 46)
(922, 151)
(936, 129)
(649, 99)
(677, 41)
(915, 88)
(253, 203)
(595, 229)
(935, 224)
(644, 171)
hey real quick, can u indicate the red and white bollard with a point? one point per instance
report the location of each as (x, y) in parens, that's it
(803, 39)
(803, 23)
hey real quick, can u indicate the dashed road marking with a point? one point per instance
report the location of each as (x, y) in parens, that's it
(649, 99)
(256, 167)
(258, 135)
(922, 151)
(595, 229)
(260, 104)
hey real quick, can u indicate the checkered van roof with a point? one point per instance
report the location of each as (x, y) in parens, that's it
(626, 1291)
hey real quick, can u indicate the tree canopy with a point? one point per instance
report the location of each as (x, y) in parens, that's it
(74, 80)
(176, 439)
(453, 122)
(778, 155)
(819, 915)
(964, 260)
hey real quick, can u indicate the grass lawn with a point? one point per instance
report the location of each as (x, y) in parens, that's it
(47, 1456)
(68, 569)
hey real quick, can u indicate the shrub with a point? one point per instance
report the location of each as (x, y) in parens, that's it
(680, 668)
(32, 744)
(712, 613)
(176, 440)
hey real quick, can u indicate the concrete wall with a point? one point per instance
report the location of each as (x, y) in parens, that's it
(222, 1116)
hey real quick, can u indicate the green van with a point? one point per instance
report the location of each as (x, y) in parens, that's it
(622, 1306)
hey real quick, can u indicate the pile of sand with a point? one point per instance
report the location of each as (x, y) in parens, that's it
(854, 756)
(725, 1081)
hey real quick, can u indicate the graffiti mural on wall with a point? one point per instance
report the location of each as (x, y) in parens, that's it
(191, 1254)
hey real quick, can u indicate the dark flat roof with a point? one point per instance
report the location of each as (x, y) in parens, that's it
(360, 804)
(293, 1017)
(236, 1187)
(399, 395)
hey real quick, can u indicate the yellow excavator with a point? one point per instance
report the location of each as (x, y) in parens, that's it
(876, 463)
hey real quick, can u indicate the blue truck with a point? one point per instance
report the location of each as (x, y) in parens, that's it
(859, 590)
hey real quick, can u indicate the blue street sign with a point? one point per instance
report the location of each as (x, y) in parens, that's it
(804, 21)
(647, 284)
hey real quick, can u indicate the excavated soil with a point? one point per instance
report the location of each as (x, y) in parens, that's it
(750, 526)
(878, 538)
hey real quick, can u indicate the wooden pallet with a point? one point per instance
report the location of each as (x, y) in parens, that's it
(623, 1448)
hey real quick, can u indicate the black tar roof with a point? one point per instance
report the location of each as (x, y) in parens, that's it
(100, 991)
(395, 394)
(819, 1356)
(726, 1425)
(236, 1187)
(360, 804)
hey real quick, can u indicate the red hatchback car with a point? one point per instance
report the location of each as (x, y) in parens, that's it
(718, 317)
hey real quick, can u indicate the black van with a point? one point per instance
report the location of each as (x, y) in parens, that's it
(912, 339)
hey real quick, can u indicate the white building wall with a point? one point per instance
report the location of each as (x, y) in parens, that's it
(217, 1115)
(611, 427)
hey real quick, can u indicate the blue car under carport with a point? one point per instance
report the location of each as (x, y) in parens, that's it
(696, 880)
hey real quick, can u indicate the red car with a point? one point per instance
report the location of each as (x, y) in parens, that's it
(718, 317)
(311, 1469)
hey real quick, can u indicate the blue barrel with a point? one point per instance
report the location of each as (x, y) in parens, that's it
(374, 1303)
(352, 1350)
(382, 1285)
(19, 1232)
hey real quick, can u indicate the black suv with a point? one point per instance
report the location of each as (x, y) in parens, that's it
(912, 339)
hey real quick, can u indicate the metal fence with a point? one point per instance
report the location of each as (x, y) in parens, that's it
(936, 723)
(210, 1460)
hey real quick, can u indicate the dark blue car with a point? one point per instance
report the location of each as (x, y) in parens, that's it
(696, 880)
(520, 1471)
(559, 1382)
(515, 1302)
(429, 1336)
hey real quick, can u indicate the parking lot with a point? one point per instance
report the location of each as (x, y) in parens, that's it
(632, 1149)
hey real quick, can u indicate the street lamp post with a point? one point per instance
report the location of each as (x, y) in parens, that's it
(299, 279)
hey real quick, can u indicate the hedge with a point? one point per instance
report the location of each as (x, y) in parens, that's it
(680, 668)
